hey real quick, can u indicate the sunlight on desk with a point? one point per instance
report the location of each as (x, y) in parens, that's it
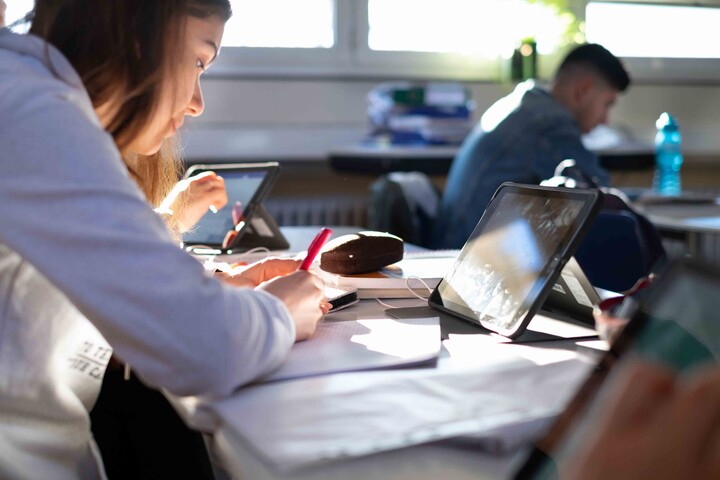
(559, 328)
(397, 339)
(366, 344)
(465, 350)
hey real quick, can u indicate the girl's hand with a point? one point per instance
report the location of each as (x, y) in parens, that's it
(303, 295)
(253, 275)
(193, 197)
(243, 275)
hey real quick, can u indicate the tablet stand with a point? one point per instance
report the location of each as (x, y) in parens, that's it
(262, 231)
(449, 324)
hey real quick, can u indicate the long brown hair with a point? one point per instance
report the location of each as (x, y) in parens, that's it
(122, 50)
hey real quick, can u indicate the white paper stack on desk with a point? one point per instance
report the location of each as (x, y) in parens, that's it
(495, 401)
(398, 280)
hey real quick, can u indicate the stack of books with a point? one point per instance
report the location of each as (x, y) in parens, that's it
(405, 113)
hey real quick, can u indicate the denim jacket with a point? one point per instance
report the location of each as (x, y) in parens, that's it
(521, 138)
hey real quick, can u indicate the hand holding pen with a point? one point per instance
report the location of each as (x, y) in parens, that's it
(302, 292)
(315, 247)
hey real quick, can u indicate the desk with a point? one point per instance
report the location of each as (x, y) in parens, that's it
(698, 225)
(449, 459)
(432, 160)
(436, 160)
(443, 459)
(423, 462)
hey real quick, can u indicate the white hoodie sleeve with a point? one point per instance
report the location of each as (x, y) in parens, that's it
(68, 206)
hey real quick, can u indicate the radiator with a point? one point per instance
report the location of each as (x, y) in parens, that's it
(329, 210)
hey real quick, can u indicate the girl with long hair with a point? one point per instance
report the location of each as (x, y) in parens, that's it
(87, 268)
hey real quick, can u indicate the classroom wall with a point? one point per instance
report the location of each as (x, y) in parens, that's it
(298, 122)
(305, 118)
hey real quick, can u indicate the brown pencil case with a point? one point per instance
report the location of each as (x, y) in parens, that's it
(361, 252)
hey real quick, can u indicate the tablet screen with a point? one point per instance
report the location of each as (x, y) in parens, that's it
(245, 188)
(504, 270)
(666, 329)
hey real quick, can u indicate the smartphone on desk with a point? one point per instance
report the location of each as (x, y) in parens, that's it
(340, 297)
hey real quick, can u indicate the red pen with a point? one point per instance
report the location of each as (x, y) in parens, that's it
(315, 247)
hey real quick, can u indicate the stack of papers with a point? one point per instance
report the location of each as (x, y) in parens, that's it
(497, 399)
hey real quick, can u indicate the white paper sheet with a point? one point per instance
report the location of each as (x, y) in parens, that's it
(343, 346)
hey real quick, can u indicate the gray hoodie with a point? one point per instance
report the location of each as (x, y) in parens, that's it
(83, 258)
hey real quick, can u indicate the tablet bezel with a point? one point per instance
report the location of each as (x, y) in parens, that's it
(592, 202)
(272, 169)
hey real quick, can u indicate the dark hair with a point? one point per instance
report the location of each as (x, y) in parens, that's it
(125, 47)
(597, 58)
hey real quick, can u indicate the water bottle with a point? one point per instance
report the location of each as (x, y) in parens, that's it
(668, 158)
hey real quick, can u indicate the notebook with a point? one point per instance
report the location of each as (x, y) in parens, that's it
(511, 262)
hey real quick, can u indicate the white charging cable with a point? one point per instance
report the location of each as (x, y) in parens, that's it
(412, 291)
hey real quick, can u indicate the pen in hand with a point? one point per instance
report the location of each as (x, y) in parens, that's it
(315, 247)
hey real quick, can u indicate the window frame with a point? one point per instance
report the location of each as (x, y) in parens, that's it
(351, 57)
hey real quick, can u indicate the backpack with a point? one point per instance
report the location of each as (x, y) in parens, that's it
(404, 204)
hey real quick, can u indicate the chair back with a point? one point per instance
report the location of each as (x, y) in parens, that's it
(404, 204)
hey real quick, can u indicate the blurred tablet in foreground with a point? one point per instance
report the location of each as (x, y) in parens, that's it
(675, 324)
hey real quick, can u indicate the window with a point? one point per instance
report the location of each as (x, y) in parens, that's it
(457, 39)
(453, 39)
(490, 28)
(302, 24)
(660, 31)
(656, 41)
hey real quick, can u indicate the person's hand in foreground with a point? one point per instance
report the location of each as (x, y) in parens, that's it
(244, 275)
(251, 276)
(238, 215)
(608, 323)
(303, 295)
(653, 424)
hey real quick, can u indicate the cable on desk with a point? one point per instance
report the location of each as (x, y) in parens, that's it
(407, 285)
